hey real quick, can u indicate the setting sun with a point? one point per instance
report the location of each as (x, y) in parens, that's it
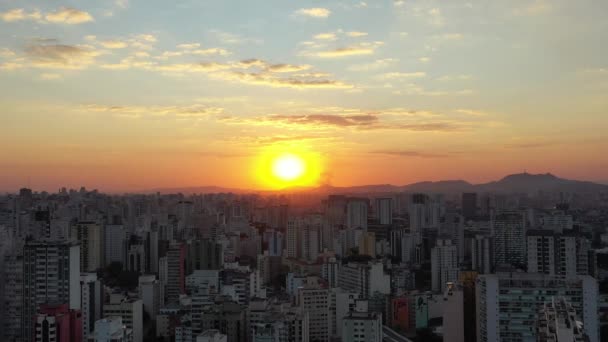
(288, 167)
(280, 167)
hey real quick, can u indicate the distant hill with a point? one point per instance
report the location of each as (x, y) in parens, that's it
(516, 183)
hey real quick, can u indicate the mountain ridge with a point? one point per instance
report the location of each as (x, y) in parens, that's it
(513, 183)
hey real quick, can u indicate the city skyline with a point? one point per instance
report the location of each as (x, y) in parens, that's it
(132, 95)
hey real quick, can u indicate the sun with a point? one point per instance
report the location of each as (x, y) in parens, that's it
(288, 167)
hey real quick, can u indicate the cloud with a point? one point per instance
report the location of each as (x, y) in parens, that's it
(356, 34)
(122, 3)
(326, 119)
(267, 79)
(210, 51)
(287, 67)
(536, 7)
(471, 112)
(408, 153)
(435, 17)
(345, 52)
(449, 78)
(424, 59)
(315, 12)
(325, 36)
(402, 75)
(113, 44)
(11, 66)
(178, 112)
(375, 65)
(7, 53)
(69, 16)
(189, 46)
(147, 37)
(231, 38)
(19, 14)
(60, 56)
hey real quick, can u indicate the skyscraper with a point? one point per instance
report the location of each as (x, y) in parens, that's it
(356, 213)
(506, 302)
(444, 264)
(90, 236)
(509, 232)
(384, 210)
(469, 205)
(51, 275)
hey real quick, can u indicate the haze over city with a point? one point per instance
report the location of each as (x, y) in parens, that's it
(131, 95)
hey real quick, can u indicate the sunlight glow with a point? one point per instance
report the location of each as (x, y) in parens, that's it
(288, 167)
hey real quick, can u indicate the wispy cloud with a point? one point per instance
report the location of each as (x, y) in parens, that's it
(64, 15)
(402, 75)
(69, 16)
(315, 12)
(409, 154)
(178, 112)
(60, 56)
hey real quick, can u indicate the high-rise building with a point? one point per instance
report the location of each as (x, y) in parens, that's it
(204, 254)
(367, 244)
(130, 310)
(315, 300)
(364, 278)
(274, 239)
(150, 294)
(508, 304)
(444, 264)
(384, 210)
(563, 254)
(356, 213)
(51, 275)
(362, 326)
(13, 298)
(114, 244)
(453, 313)
(482, 256)
(172, 269)
(329, 272)
(90, 236)
(292, 239)
(91, 291)
(509, 232)
(57, 323)
(469, 205)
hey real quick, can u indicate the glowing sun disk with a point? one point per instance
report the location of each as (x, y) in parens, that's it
(288, 167)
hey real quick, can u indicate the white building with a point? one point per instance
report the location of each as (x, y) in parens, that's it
(362, 326)
(506, 301)
(316, 301)
(329, 272)
(111, 330)
(444, 264)
(150, 294)
(212, 336)
(453, 313)
(365, 279)
(132, 314)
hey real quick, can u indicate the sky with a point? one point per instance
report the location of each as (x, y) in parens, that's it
(124, 95)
